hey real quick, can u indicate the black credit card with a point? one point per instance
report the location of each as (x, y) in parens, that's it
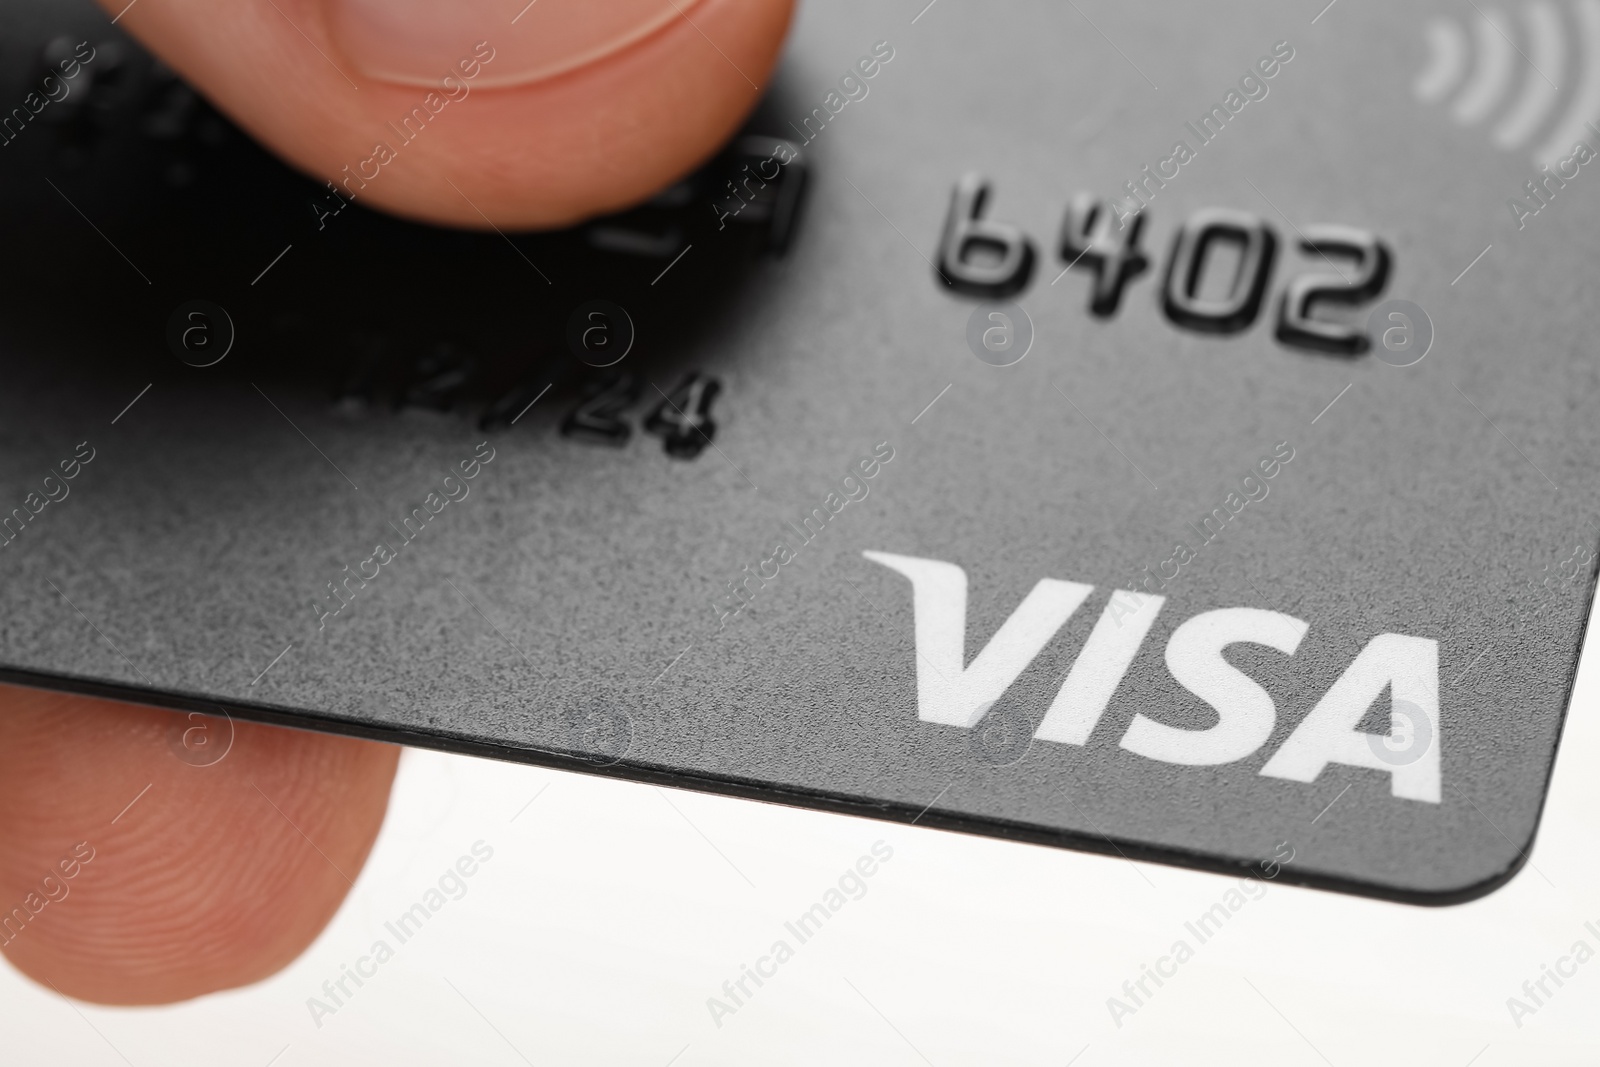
(1161, 430)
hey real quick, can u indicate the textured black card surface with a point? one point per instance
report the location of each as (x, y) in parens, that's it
(1163, 430)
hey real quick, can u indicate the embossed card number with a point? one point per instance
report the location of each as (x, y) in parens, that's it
(984, 258)
(682, 418)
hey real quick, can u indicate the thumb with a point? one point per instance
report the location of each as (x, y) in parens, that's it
(527, 114)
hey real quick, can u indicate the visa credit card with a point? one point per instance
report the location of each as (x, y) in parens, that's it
(1160, 430)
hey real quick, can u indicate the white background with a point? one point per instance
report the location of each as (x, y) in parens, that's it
(610, 912)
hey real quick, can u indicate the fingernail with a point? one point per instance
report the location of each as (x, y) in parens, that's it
(508, 42)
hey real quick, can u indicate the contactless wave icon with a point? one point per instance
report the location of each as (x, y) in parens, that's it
(1476, 67)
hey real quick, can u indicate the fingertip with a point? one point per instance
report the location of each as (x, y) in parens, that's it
(132, 872)
(468, 113)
